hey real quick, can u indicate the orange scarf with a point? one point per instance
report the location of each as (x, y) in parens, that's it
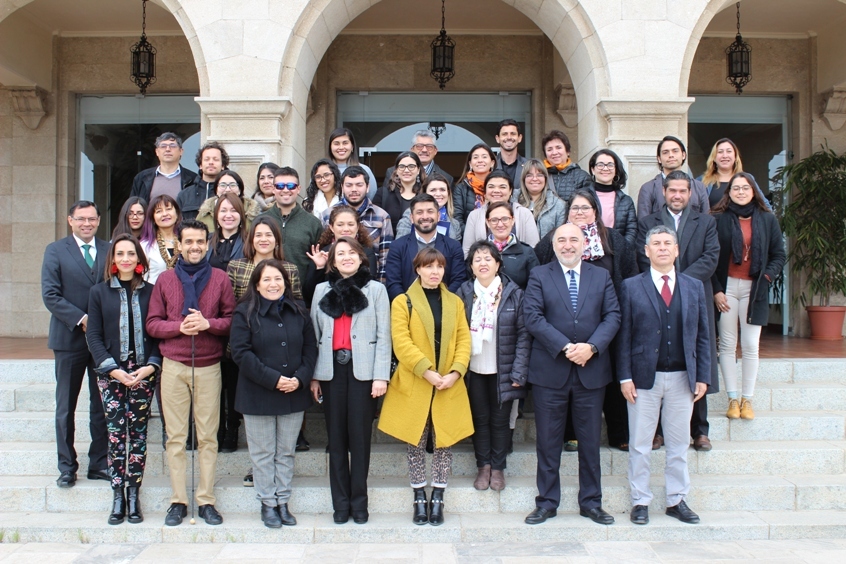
(476, 184)
(560, 167)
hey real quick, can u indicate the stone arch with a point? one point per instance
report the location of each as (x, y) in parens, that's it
(708, 12)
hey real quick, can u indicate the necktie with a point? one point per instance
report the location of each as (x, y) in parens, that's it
(574, 290)
(89, 260)
(665, 291)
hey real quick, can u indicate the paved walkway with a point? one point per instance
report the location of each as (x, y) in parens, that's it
(770, 552)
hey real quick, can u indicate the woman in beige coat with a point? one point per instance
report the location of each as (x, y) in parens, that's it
(426, 393)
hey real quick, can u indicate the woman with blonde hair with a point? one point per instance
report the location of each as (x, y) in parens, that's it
(722, 164)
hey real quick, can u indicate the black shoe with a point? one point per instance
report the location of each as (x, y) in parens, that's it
(210, 514)
(133, 505)
(302, 443)
(340, 517)
(597, 515)
(270, 517)
(287, 519)
(683, 513)
(175, 514)
(420, 516)
(640, 515)
(99, 475)
(66, 480)
(248, 479)
(230, 440)
(360, 517)
(118, 507)
(571, 446)
(539, 515)
(436, 507)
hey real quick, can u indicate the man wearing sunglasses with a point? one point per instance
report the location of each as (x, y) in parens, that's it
(167, 178)
(300, 230)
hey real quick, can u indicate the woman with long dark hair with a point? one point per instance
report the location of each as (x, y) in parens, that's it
(469, 191)
(228, 181)
(405, 182)
(324, 190)
(265, 194)
(159, 236)
(616, 207)
(343, 151)
(128, 362)
(131, 218)
(230, 230)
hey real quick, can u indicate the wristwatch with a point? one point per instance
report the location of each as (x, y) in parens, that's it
(593, 348)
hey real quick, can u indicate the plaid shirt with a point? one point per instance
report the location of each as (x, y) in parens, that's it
(378, 224)
(240, 270)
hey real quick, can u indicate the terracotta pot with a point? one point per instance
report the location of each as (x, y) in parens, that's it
(826, 322)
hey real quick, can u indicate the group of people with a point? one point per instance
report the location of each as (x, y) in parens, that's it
(450, 298)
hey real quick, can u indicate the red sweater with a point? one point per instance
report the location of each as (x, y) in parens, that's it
(217, 303)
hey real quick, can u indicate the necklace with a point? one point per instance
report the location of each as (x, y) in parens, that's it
(169, 261)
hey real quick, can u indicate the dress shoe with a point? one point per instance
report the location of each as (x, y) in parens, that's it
(285, 515)
(571, 446)
(340, 517)
(302, 443)
(436, 507)
(360, 517)
(657, 442)
(421, 507)
(270, 517)
(683, 513)
(497, 480)
(597, 515)
(746, 411)
(99, 475)
(539, 515)
(230, 441)
(640, 515)
(623, 447)
(118, 507)
(248, 479)
(66, 480)
(734, 409)
(483, 478)
(133, 505)
(175, 514)
(210, 514)
(702, 442)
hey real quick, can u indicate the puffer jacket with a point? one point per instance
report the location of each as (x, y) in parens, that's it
(513, 342)
(463, 201)
(625, 216)
(569, 180)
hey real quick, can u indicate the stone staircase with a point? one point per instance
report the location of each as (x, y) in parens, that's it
(781, 476)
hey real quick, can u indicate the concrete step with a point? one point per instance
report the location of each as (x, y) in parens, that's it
(87, 527)
(740, 458)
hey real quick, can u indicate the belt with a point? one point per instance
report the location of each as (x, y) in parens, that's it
(343, 356)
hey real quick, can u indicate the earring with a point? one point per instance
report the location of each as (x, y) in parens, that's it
(114, 269)
(139, 269)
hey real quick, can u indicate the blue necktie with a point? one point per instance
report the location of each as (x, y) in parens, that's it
(574, 290)
(89, 260)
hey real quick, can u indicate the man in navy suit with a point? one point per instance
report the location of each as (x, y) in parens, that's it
(399, 272)
(71, 267)
(664, 366)
(571, 310)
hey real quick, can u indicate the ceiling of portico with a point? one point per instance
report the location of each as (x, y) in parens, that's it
(99, 17)
(777, 18)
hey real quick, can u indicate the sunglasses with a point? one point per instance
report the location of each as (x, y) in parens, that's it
(286, 186)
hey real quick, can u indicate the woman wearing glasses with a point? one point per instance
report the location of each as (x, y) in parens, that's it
(324, 190)
(609, 179)
(540, 198)
(227, 181)
(518, 259)
(131, 218)
(751, 257)
(405, 182)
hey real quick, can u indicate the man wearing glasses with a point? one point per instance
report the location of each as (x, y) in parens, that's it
(71, 267)
(300, 230)
(167, 178)
(425, 146)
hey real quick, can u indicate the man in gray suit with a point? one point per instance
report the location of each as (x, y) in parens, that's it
(664, 366)
(71, 267)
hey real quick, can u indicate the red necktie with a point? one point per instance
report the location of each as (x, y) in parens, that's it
(665, 291)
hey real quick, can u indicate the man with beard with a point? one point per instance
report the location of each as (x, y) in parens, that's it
(508, 159)
(399, 272)
(671, 157)
(211, 158)
(191, 312)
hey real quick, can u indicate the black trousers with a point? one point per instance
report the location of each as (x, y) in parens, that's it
(70, 372)
(490, 420)
(349, 423)
(616, 417)
(229, 418)
(698, 420)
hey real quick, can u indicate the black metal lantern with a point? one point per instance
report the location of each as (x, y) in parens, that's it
(443, 53)
(739, 60)
(143, 57)
(437, 128)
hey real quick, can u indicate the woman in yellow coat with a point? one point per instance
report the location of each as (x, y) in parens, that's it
(424, 393)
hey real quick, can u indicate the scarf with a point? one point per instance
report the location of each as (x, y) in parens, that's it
(444, 223)
(483, 314)
(478, 187)
(194, 278)
(500, 246)
(345, 295)
(593, 243)
(264, 203)
(551, 167)
(756, 252)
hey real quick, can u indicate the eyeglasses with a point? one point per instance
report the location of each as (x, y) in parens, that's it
(228, 185)
(604, 166)
(322, 177)
(84, 220)
(534, 175)
(421, 146)
(286, 186)
(580, 209)
(168, 146)
(408, 167)
(737, 189)
(135, 214)
(499, 220)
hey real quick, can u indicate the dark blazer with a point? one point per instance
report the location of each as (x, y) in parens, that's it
(65, 282)
(277, 342)
(103, 335)
(400, 274)
(698, 252)
(640, 330)
(550, 319)
(142, 184)
(759, 310)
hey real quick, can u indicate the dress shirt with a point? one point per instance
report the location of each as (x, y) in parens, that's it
(676, 217)
(659, 282)
(577, 268)
(93, 252)
(173, 174)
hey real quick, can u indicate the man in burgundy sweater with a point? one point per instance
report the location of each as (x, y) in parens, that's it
(192, 300)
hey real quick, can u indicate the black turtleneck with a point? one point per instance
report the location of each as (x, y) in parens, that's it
(433, 296)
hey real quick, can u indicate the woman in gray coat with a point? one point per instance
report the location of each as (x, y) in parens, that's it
(499, 359)
(540, 198)
(352, 321)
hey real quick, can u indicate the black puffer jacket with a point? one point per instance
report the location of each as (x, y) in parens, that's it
(463, 201)
(567, 181)
(625, 216)
(513, 342)
(518, 259)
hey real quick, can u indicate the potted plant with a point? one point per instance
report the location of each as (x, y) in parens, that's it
(815, 220)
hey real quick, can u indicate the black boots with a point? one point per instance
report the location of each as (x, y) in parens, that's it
(436, 507)
(118, 507)
(133, 505)
(421, 510)
(230, 440)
